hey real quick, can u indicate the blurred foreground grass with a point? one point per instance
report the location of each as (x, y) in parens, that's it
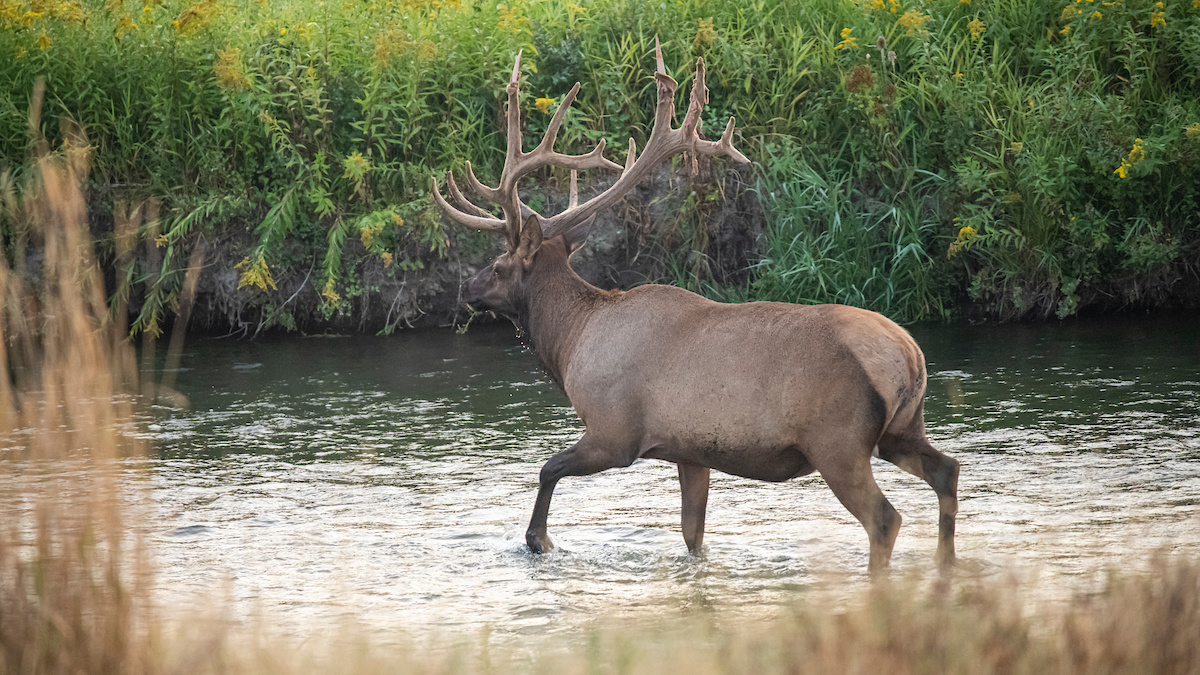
(75, 577)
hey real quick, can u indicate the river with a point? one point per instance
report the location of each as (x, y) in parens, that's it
(388, 481)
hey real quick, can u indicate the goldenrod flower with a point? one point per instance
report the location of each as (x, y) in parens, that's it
(43, 42)
(956, 76)
(976, 27)
(880, 4)
(283, 31)
(894, 6)
(964, 2)
(30, 17)
(1065, 32)
(704, 33)
(21, 52)
(848, 41)
(543, 105)
(329, 293)
(368, 233)
(1096, 16)
(1192, 131)
(1136, 154)
(124, 25)
(387, 259)
(965, 235)
(1016, 147)
(1156, 19)
(914, 21)
(228, 68)
(255, 274)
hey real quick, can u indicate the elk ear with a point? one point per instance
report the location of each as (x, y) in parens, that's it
(531, 239)
(577, 236)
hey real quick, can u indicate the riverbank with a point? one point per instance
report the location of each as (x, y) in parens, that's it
(927, 159)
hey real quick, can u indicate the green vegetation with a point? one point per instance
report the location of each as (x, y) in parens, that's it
(923, 159)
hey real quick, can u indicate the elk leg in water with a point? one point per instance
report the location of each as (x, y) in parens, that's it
(916, 456)
(849, 475)
(584, 458)
(693, 483)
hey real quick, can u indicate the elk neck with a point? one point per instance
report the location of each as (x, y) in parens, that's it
(556, 306)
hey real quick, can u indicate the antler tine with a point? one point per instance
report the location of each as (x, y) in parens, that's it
(691, 121)
(462, 202)
(476, 221)
(557, 120)
(664, 111)
(723, 146)
(664, 141)
(514, 111)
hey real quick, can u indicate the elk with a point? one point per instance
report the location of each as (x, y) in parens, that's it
(763, 390)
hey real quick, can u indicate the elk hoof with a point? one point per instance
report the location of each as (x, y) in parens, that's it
(538, 543)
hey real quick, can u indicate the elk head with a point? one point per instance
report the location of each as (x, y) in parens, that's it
(500, 286)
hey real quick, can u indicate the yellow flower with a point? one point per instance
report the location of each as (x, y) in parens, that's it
(964, 2)
(1065, 32)
(894, 6)
(880, 4)
(1192, 131)
(543, 105)
(1123, 170)
(914, 21)
(228, 68)
(176, 25)
(1068, 13)
(976, 27)
(704, 33)
(254, 274)
(1016, 147)
(329, 293)
(44, 41)
(30, 17)
(1138, 153)
(198, 15)
(368, 234)
(1156, 19)
(124, 25)
(848, 41)
(283, 31)
(387, 259)
(1096, 16)
(957, 75)
(21, 52)
(965, 235)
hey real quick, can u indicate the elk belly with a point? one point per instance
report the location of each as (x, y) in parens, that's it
(772, 464)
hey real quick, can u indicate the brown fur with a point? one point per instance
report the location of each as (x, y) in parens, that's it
(762, 390)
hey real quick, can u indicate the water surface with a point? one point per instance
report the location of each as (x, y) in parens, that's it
(390, 480)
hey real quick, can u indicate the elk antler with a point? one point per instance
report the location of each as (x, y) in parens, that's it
(516, 165)
(663, 143)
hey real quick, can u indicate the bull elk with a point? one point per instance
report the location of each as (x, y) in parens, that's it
(764, 390)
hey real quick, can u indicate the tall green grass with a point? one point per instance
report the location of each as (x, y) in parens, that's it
(986, 159)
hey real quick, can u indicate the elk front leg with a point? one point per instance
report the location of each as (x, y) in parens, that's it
(693, 483)
(582, 459)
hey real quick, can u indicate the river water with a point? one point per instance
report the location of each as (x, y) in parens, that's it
(389, 481)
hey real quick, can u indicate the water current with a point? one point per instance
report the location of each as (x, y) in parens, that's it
(390, 480)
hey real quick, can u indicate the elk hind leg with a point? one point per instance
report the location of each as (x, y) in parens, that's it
(854, 485)
(693, 483)
(916, 456)
(584, 458)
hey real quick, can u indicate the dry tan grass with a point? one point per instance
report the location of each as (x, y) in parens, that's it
(74, 580)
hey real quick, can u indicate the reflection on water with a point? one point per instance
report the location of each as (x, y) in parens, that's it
(390, 480)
